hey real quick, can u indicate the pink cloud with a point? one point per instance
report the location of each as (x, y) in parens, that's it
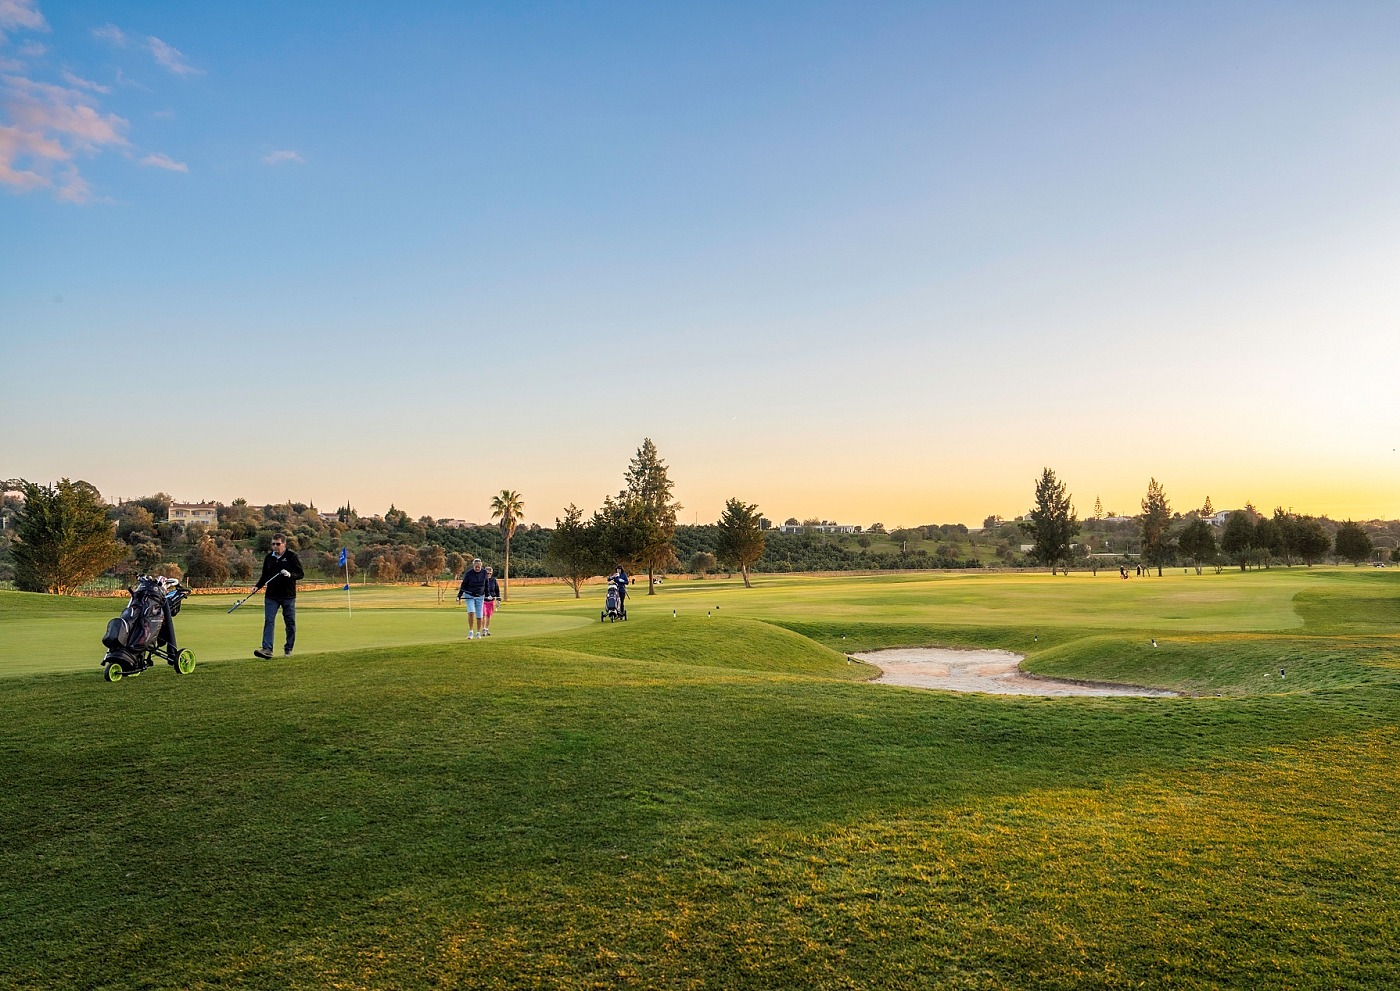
(45, 126)
(43, 107)
(82, 83)
(160, 160)
(21, 14)
(170, 57)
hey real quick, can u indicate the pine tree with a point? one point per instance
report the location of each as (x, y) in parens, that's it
(1052, 523)
(1156, 515)
(648, 511)
(740, 541)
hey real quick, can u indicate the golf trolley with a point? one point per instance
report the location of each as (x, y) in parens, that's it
(613, 608)
(145, 631)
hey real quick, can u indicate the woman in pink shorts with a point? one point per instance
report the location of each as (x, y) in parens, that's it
(493, 595)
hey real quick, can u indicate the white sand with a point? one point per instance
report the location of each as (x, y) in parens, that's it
(996, 672)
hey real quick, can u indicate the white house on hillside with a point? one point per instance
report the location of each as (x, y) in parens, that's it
(185, 513)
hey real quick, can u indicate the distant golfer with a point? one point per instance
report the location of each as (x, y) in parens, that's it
(473, 592)
(493, 598)
(281, 571)
(619, 578)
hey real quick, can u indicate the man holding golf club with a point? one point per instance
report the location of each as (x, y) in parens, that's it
(473, 593)
(281, 571)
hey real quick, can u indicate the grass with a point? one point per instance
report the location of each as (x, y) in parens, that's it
(719, 801)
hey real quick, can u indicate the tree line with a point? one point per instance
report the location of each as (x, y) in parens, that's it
(1247, 539)
(59, 537)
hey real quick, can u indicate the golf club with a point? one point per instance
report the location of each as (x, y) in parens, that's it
(245, 598)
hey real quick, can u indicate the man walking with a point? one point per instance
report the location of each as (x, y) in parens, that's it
(473, 591)
(281, 571)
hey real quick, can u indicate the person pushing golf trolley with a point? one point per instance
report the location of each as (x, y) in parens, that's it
(281, 571)
(475, 582)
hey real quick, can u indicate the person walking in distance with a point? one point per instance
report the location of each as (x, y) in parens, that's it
(619, 578)
(473, 592)
(493, 598)
(281, 571)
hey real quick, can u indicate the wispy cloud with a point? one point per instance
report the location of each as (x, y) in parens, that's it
(47, 126)
(81, 83)
(160, 160)
(170, 57)
(33, 49)
(111, 34)
(284, 157)
(21, 14)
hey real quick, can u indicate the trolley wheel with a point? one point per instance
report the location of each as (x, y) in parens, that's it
(112, 672)
(603, 617)
(184, 662)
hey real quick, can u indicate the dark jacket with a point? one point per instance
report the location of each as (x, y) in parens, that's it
(277, 586)
(493, 588)
(474, 582)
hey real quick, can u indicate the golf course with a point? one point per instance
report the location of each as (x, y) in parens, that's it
(714, 793)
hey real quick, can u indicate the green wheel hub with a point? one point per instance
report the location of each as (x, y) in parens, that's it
(112, 672)
(184, 663)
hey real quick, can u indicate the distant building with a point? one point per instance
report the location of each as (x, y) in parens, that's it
(453, 524)
(824, 527)
(329, 517)
(1220, 518)
(185, 513)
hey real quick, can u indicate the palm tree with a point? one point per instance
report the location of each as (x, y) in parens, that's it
(509, 508)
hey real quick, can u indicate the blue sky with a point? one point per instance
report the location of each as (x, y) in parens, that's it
(843, 260)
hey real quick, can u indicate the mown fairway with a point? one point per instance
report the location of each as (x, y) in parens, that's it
(717, 799)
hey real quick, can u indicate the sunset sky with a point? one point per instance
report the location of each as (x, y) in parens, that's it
(863, 262)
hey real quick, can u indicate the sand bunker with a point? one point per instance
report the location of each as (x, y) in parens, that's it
(997, 672)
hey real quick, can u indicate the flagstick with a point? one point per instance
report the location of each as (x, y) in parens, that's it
(349, 610)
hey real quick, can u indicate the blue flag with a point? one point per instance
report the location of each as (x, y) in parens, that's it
(342, 557)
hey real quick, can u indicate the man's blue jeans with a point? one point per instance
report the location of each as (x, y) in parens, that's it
(289, 619)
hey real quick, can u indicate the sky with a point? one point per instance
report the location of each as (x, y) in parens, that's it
(859, 262)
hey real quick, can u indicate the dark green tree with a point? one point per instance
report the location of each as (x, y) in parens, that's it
(63, 538)
(1156, 517)
(648, 494)
(1197, 542)
(1238, 539)
(1313, 541)
(741, 541)
(1286, 533)
(573, 549)
(1353, 543)
(1267, 540)
(1052, 523)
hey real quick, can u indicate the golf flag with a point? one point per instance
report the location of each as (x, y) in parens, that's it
(342, 557)
(345, 564)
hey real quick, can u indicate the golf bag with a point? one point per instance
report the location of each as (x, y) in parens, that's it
(613, 608)
(146, 629)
